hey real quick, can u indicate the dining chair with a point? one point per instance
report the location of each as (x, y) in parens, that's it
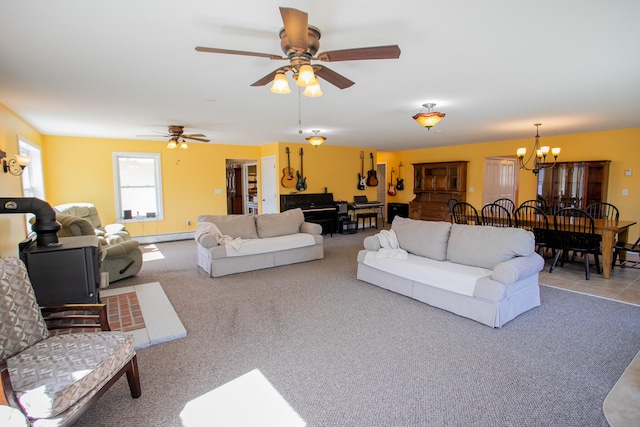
(506, 203)
(465, 213)
(559, 205)
(575, 231)
(603, 210)
(533, 218)
(626, 247)
(538, 203)
(496, 215)
(450, 204)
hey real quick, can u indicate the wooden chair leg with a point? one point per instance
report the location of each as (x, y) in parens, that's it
(133, 378)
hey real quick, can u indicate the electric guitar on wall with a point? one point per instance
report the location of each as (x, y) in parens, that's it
(372, 175)
(288, 180)
(399, 181)
(362, 180)
(301, 185)
(392, 189)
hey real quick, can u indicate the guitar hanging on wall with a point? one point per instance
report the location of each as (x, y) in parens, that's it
(288, 180)
(399, 181)
(392, 189)
(372, 176)
(301, 185)
(362, 180)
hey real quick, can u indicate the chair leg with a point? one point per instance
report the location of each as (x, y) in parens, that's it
(133, 378)
(555, 260)
(586, 265)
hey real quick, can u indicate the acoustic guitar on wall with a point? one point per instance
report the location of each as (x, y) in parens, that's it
(301, 184)
(288, 180)
(362, 179)
(372, 175)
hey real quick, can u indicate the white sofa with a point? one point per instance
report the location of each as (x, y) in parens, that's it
(488, 274)
(228, 244)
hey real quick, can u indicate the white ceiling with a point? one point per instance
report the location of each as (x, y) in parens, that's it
(122, 68)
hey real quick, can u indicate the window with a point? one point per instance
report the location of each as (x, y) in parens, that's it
(138, 186)
(32, 180)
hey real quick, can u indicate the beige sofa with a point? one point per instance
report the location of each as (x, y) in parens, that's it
(488, 274)
(228, 244)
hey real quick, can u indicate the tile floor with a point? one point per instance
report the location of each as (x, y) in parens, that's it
(622, 405)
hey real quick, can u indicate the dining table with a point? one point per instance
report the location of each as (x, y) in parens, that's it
(608, 229)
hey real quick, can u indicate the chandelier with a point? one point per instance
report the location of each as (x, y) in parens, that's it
(316, 139)
(430, 118)
(540, 158)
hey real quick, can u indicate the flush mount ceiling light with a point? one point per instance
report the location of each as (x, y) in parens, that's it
(540, 159)
(430, 118)
(316, 139)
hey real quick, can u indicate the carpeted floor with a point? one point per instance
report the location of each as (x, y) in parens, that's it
(334, 351)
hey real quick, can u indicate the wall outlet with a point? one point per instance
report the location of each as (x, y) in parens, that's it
(218, 190)
(471, 189)
(628, 172)
(188, 222)
(625, 192)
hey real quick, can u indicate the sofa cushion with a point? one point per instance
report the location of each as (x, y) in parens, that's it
(243, 226)
(279, 224)
(486, 246)
(424, 238)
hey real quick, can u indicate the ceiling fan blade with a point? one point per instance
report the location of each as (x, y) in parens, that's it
(332, 77)
(266, 79)
(376, 52)
(237, 52)
(189, 135)
(296, 25)
(195, 138)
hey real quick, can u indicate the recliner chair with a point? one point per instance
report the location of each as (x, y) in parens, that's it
(120, 258)
(108, 234)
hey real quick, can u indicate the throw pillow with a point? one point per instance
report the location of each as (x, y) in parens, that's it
(423, 238)
(279, 224)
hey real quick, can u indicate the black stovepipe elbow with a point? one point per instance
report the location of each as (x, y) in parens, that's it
(45, 226)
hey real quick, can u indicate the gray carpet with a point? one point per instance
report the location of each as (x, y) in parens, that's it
(344, 353)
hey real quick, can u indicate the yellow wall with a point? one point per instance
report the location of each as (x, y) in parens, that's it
(81, 170)
(622, 147)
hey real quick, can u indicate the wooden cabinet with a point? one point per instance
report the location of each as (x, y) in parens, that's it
(434, 184)
(580, 182)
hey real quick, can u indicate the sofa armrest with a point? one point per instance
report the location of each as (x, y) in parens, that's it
(372, 243)
(518, 268)
(311, 228)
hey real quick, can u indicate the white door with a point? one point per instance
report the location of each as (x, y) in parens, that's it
(500, 180)
(268, 185)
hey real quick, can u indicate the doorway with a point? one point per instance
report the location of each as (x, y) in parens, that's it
(500, 179)
(242, 185)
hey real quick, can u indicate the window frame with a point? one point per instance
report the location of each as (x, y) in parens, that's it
(156, 158)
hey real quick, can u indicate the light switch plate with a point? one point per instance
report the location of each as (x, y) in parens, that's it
(625, 192)
(628, 172)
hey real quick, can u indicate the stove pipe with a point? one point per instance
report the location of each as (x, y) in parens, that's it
(45, 225)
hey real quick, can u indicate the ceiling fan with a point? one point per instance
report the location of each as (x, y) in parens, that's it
(300, 42)
(177, 136)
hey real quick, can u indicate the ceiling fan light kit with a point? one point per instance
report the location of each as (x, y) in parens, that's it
(312, 91)
(430, 118)
(177, 137)
(280, 84)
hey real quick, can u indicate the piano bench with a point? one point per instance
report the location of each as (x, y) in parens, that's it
(365, 215)
(327, 224)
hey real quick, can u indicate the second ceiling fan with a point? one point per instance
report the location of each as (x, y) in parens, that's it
(300, 43)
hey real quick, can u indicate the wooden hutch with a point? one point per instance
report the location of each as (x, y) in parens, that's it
(582, 182)
(434, 184)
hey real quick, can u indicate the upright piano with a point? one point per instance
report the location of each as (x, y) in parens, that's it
(316, 207)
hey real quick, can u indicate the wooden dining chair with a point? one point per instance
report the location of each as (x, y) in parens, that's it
(533, 218)
(626, 247)
(603, 210)
(496, 215)
(538, 203)
(575, 231)
(506, 203)
(465, 213)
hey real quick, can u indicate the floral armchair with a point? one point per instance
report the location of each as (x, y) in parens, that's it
(54, 378)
